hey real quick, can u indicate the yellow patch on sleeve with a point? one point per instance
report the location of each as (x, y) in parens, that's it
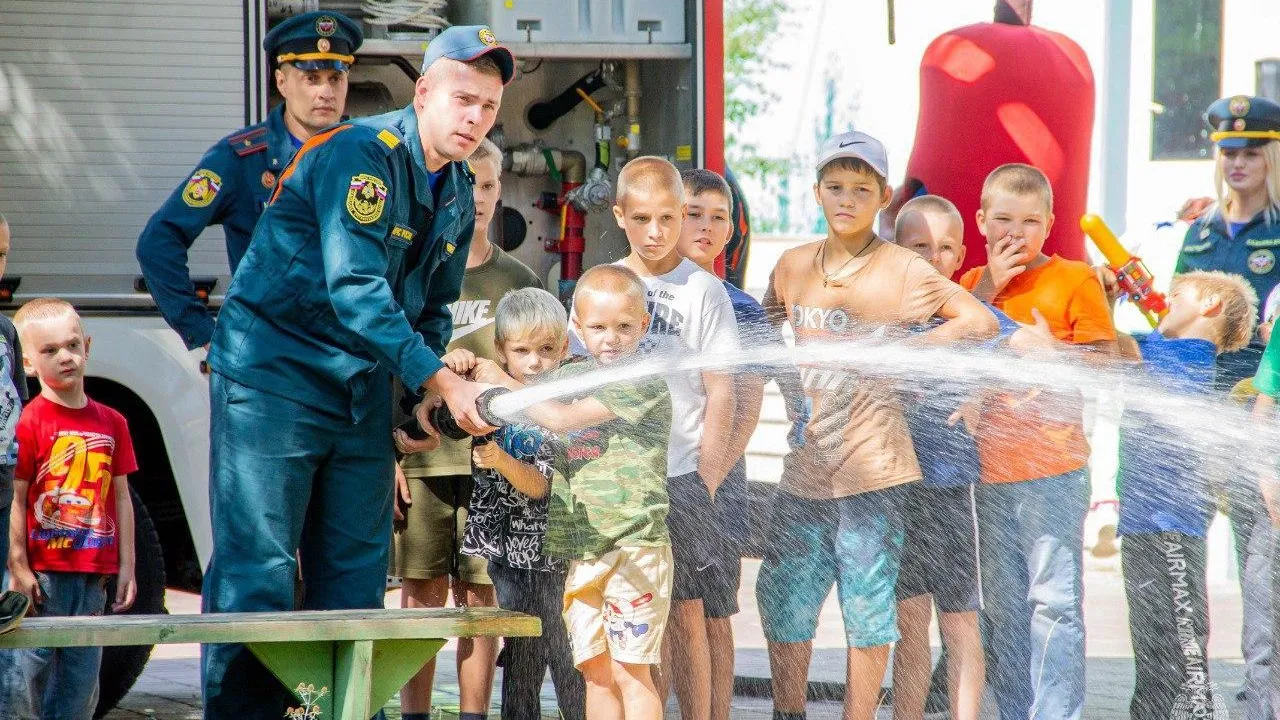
(389, 139)
(202, 188)
(366, 198)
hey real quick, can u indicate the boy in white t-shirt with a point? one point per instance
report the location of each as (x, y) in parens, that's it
(691, 313)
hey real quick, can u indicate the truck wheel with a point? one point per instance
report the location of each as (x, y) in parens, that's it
(121, 666)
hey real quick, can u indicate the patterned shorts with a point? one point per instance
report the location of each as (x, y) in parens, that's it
(618, 603)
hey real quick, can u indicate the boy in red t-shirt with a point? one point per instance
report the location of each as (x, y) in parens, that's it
(71, 525)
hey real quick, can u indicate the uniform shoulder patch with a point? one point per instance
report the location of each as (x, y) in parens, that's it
(366, 198)
(249, 142)
(201, 188)
(390, 139)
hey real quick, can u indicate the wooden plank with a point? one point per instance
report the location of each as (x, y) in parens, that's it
(331, 625)
(352, 678)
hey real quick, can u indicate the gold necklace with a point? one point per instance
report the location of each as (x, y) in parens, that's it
(827, 277)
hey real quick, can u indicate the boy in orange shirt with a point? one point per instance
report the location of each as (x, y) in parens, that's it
(1034, 458)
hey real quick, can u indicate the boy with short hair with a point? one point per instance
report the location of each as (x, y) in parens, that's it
(71, 526)
(690, 313)
(837, 516)
(1033, 453)
(1166, 505)
(436, 485)
(13, 395)
(609, 501)
(507, 513)
(940, 550)
(706, 232)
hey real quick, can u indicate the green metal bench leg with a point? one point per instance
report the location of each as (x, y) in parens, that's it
(346, 679)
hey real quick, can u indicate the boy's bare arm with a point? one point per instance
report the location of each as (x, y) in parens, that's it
(21, 578)
(964, 319)
(1038, 339)
(748, 399)
(1127, 348)
(523, 476)
(567, 417)
(715, 456)
(126, 581)
(554, 416)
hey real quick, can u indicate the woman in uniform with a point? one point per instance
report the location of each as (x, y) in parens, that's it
(1241, 234)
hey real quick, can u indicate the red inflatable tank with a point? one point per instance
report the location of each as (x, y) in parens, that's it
(995, 93)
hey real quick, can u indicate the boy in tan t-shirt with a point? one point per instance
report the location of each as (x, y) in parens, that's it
(837, 516)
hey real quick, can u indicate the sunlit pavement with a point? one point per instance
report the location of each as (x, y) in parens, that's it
(170, 687)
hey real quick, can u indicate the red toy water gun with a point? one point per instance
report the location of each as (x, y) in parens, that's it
(1132, 275)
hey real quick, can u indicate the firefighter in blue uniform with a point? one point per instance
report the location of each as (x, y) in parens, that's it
(1241, 234)
(233, 181)
(346, 283)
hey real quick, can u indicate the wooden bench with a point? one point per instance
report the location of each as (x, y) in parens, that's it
(345, 663)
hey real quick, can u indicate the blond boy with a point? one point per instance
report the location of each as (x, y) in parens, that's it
(507, 514)
(436, 486)
(71, 524)
(1166, 503)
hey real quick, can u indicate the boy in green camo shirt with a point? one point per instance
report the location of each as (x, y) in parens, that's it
(609, 501)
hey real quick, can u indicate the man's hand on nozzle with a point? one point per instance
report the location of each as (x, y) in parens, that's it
(461, 395)
(406, 445)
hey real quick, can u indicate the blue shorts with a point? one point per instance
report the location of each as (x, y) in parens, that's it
(940, 550)
(852, 542)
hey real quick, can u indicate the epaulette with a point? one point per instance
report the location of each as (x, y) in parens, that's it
(249, 141)
(468, 172)
(389, 138)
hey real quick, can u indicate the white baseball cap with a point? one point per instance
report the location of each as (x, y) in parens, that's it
(854, 144)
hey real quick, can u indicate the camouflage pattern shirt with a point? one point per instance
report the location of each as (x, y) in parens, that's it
(608, 486)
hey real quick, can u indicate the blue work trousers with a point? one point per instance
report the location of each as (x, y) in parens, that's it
(287, 480)
(1032, 574)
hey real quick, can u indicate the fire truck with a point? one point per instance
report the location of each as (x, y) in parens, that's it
(106, 106)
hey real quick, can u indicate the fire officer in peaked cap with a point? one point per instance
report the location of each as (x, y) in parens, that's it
(311, 54)
(1241, 234)
(346, 283)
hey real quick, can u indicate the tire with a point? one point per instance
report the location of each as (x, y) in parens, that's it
(121, 666)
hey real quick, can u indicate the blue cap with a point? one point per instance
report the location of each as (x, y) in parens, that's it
(321, 40)
(1243, 121)
(468, 42)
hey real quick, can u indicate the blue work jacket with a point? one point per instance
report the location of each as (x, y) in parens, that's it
(229, 187)
(350, 272)
(1252, 254)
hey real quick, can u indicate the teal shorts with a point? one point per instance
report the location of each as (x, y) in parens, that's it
(853, 543)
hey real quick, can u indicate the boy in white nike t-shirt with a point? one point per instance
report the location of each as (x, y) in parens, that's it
(690, 313)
